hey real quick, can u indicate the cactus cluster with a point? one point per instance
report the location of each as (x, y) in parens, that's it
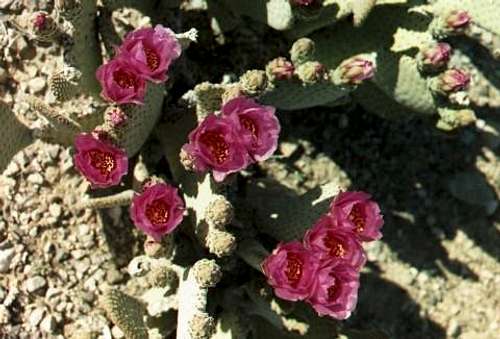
(393, 57)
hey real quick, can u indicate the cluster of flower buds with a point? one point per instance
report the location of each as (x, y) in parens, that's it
(144, 55)
(157, 210)
(323, 269)
(243, 133)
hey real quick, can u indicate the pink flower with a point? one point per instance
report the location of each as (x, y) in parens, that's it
(356, 212)
(99, 161)
(151, 51)
(291, 270)
(259, 126)
(335, 291)
(329, 242)
(454, 80)
(158, 210)
(120, 82)
(216, 144)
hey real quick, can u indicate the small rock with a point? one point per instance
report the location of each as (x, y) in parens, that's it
(4, 315)
(35, 283)
(6, 256)
(48, 324)
(117, 333)
(78, 254)
(83, 229)
(36, 316)
(454, 329)
(35, 178)
(113, 276)
(37, 85)
(55, 210)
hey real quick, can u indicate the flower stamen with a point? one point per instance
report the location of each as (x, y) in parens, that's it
(102, 161)
(157, 212)
(217, 145)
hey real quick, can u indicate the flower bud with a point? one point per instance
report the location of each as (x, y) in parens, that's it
(458, 20)
(115, 116)
(302, 51)
(435, 57)
(355, 70)
(253, 82)
(311, 72)
(453, 80)
(279, 69)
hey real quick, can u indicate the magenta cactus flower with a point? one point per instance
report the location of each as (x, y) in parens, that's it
(291, 270)
(333, 243)
(454, 80)
(102, 163)
(437, 56)
(150, 51)
(217, 145)
(355, 211)
(355, 70)
(158, 210)
(335, 292)
(259, 126)
(458, 20)
(121, 83)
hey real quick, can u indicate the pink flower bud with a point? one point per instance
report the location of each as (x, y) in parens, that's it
(40, 21)
(116, 116)
(458, 20)
(121, 83)
(454, 80)
(217, 145)
(157, 210)
(333, 243)
(437, 56)
(291, 270)
(280, 69)
(335, 292)
(258, 126)
(355, 70)
(99, 161)
(150, 51)
(355, 212)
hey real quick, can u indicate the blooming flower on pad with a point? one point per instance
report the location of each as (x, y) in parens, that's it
(356, 212)
(158, 210)
(151, 51)
(259, 126)
(291, 270)
(121, 83)
(329, 242)
(102, 163)
(335, 292)
(216, 144)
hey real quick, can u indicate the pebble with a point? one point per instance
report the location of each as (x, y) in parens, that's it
(37, 85)
(454, 329)
(113, 276)
(48, 324)
(36, 316)
(35, 178)
(6, 256)
(55, 210)
(117, 333)
(35, 283)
